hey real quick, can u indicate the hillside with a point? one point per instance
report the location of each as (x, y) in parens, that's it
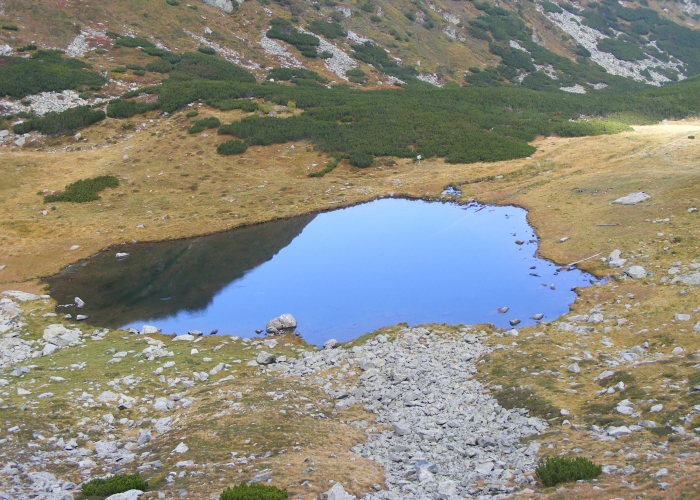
(129, 122)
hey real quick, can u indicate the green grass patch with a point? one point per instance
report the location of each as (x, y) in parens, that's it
(254, 491)
(513, 397)
(115, 484)
(84, 190)
(325, 170)
(556, 470)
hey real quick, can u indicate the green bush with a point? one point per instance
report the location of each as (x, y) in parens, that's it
(292, 74)
(328, 30)
(191, 114)
(232, 148)
(139, 72)
(120, 69)
(174, 3)
(200, 125)
(328, 168)
(553, 471)
(64, 123)
(10, 27)
(361, 160)
(159, 66)
(551, 7)
(132, 42)
(255, 491)
(27, 48)
(282, 29)
(624, 50)
(207, 50)
(44, 71)
(195, 65)
(122, 108)
(115, 484)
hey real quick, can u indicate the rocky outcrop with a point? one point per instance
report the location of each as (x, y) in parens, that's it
(224, 5)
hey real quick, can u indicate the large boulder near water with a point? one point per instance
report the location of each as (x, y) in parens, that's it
(282, 324)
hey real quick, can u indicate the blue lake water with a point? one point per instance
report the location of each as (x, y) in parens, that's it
(341, 274)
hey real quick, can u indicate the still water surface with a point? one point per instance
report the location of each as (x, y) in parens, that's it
(340, 273)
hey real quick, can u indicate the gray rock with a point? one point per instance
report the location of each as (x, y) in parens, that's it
(636, 272)
(265, 358)
(633, 198)
(615, 261)
(574, 368)
(538, 316)
(337, 492)
(331, 344)
(280, 325)
(503, 310)
(21, 296)
(514, 322)
(163, 404)
(682, 317)
(61, 336)
(224, 5)
(127, 495)
(14, 350)
(149, 330)
(691, 279)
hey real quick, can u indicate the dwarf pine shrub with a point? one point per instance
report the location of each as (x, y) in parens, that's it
(255, 491)
(83, 191)
(553, 471)
(115, 484)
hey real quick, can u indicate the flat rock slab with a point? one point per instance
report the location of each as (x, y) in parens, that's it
(633, 198)
(22, 296)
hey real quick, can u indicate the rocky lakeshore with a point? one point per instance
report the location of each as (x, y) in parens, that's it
(434, 430)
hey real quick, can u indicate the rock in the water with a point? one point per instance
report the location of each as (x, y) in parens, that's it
(265, 358)
(282, 324)
(503, 310)
(121, 255)
(633, 198)
(337, 492)
(514, 322)
(636, 272)
(537, 316)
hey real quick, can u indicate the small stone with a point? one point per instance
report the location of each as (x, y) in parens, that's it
(180, 448)
(514, 322)
(265, 358)
(682, 317)
(656, 408)
(337, 492)
(574, 368)
(636, 272)
(538, 316)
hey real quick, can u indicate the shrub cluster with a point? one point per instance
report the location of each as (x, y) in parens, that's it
(83, 191)
(132, 42)
(295, 74)
(199, 125)
(255, 491)
(61, 123)
(44, 71)
(556, 470)
(327, 30)
(282, 29)
(373, 54)
(116, 484)
(232, 148)
(123, 108)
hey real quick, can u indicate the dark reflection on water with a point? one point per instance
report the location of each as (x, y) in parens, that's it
(159, 280)
(340, 273)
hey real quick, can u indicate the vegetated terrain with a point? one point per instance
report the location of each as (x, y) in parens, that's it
(501, 130)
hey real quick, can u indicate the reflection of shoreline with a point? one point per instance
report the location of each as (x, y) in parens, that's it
(119, 292)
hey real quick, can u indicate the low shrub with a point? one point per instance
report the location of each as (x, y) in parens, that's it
(191, 114)
(132, 42)
(159, 66)
(63, 123)
(121, 108)
(139, 72)
(361, 160)
(173, 3)
(255, 491)
(232, 148)
(327, 169)
(200, 125)
(207, 50)
(83, 191)
(553, 471)
(115, 484)
(27, 48)
(10, 27)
